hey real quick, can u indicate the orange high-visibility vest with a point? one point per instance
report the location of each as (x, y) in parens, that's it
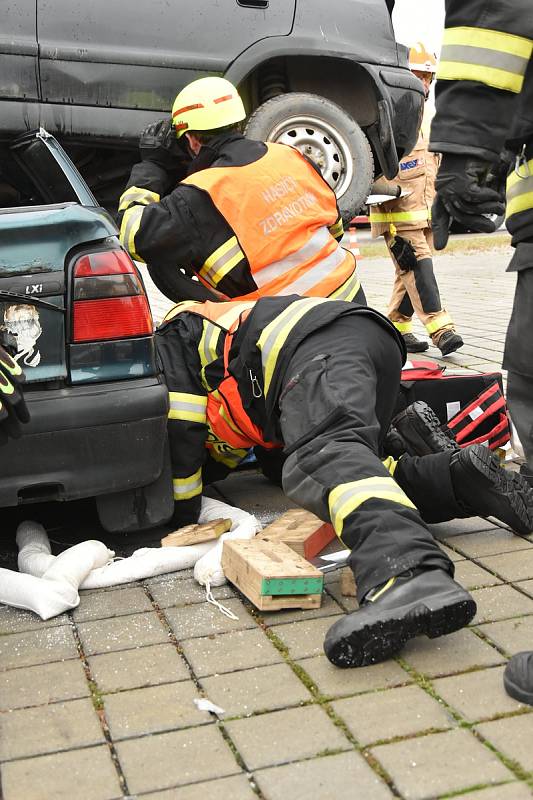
(280, 210)
(225, 413)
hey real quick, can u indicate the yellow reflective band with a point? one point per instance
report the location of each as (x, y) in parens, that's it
(346, 498)
(518, 177)
(185, 305)
(137, 195)
(388, 585)
(348, 290)
(437, 324)
(276, 332)
(222, 453)
(390, 464)
(6, 387)
(222, 261)
(403, 327)
(520, 189)
(8, 363)
(337, 229)
(208, 343)
(187, 407)
(400, 216)
(185, 488)
(487, 56)
(131, 222)
(523, 202)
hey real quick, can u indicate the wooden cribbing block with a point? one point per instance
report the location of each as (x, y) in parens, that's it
(271, 575)
(195, 534)
(347, 582)
(302, 531)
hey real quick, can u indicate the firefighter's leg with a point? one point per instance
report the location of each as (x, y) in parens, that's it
(336, 405)
(421, 286)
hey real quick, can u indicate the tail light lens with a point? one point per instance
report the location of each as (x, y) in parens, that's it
(109, 299)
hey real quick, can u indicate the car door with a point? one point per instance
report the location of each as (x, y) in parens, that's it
(34, 240)
(106, 53)
(18, 63)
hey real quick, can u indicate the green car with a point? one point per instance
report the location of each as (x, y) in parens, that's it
(75, 315)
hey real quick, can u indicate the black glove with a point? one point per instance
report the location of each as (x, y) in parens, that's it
(13, 409)
(463, 194)
(403, 252)
(159, 144)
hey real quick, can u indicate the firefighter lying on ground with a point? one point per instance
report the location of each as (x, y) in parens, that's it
(13, 409)
(405, 223)
(320, 378)
(249, 219)
(484, 129)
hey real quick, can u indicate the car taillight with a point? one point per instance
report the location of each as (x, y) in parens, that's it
(109, 299)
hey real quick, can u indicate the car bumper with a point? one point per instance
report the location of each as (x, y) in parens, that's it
(85, 441)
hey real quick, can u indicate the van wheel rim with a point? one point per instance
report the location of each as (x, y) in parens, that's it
(321, 142)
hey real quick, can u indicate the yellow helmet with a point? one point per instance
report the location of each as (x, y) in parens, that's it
(207, 104)
(422, 60)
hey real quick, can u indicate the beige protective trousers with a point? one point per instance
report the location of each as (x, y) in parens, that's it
(415, 291)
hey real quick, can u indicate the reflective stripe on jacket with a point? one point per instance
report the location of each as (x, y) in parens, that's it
(285, 217)
(417, 178)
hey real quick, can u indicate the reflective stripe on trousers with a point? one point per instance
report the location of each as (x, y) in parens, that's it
(346, 498)
(189, 407)
(185, 488)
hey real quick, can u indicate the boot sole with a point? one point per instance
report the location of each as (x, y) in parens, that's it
(382, 638)
(510, 484)
(516, 692)
(445, 351)
(417, 424)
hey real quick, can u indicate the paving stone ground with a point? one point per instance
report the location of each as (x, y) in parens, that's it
(99, 704)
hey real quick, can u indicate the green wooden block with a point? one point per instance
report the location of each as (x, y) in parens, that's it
(280, 586)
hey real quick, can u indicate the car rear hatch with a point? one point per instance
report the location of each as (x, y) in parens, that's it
(35, 241)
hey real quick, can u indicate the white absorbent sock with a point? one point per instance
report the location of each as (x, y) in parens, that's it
(47, 584)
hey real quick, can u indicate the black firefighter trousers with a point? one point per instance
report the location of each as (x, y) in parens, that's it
(336, 402)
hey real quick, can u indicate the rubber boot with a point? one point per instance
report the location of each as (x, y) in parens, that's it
(417, 431)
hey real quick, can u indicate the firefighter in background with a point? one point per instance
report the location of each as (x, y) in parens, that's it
(249, 219)
(484, 129)
(415, 288)
(320, 378)
(13, 409)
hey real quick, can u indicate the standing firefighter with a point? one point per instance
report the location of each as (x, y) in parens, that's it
(320, 378)
(484, 128)
(249, 220)
(415, 288)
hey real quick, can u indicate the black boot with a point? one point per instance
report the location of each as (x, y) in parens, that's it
(449, 342)
(518, 677)
(483, 488)
(417, 431)
(426, 602)
(413, 344)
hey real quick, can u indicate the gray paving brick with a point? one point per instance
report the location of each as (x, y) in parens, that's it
(258, 689)
(48, 729)
(175, 759)
(252, 491)
(88, 774)
(175, 591)
(516, 566)
(511, 635)
(15, 620)
(447, 655)
(333, 682)
(205, 619)
(477, 695)
(333, 587)
(235, 650)
(262, 741)
(184, 574)
(472, 576)
(508, 791)
(305, 638)
(37, 647)
(395, 712)
(500, 602)
(132, 669)
(122, 633)
(235, 788)
(46, 683)
(512, 737)
(458, 527)
(430, 766)
(489, 543)
(452, 555)
(153, 709)
(327, 608)
(99, 605)
(525, 586)
(323, 779)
